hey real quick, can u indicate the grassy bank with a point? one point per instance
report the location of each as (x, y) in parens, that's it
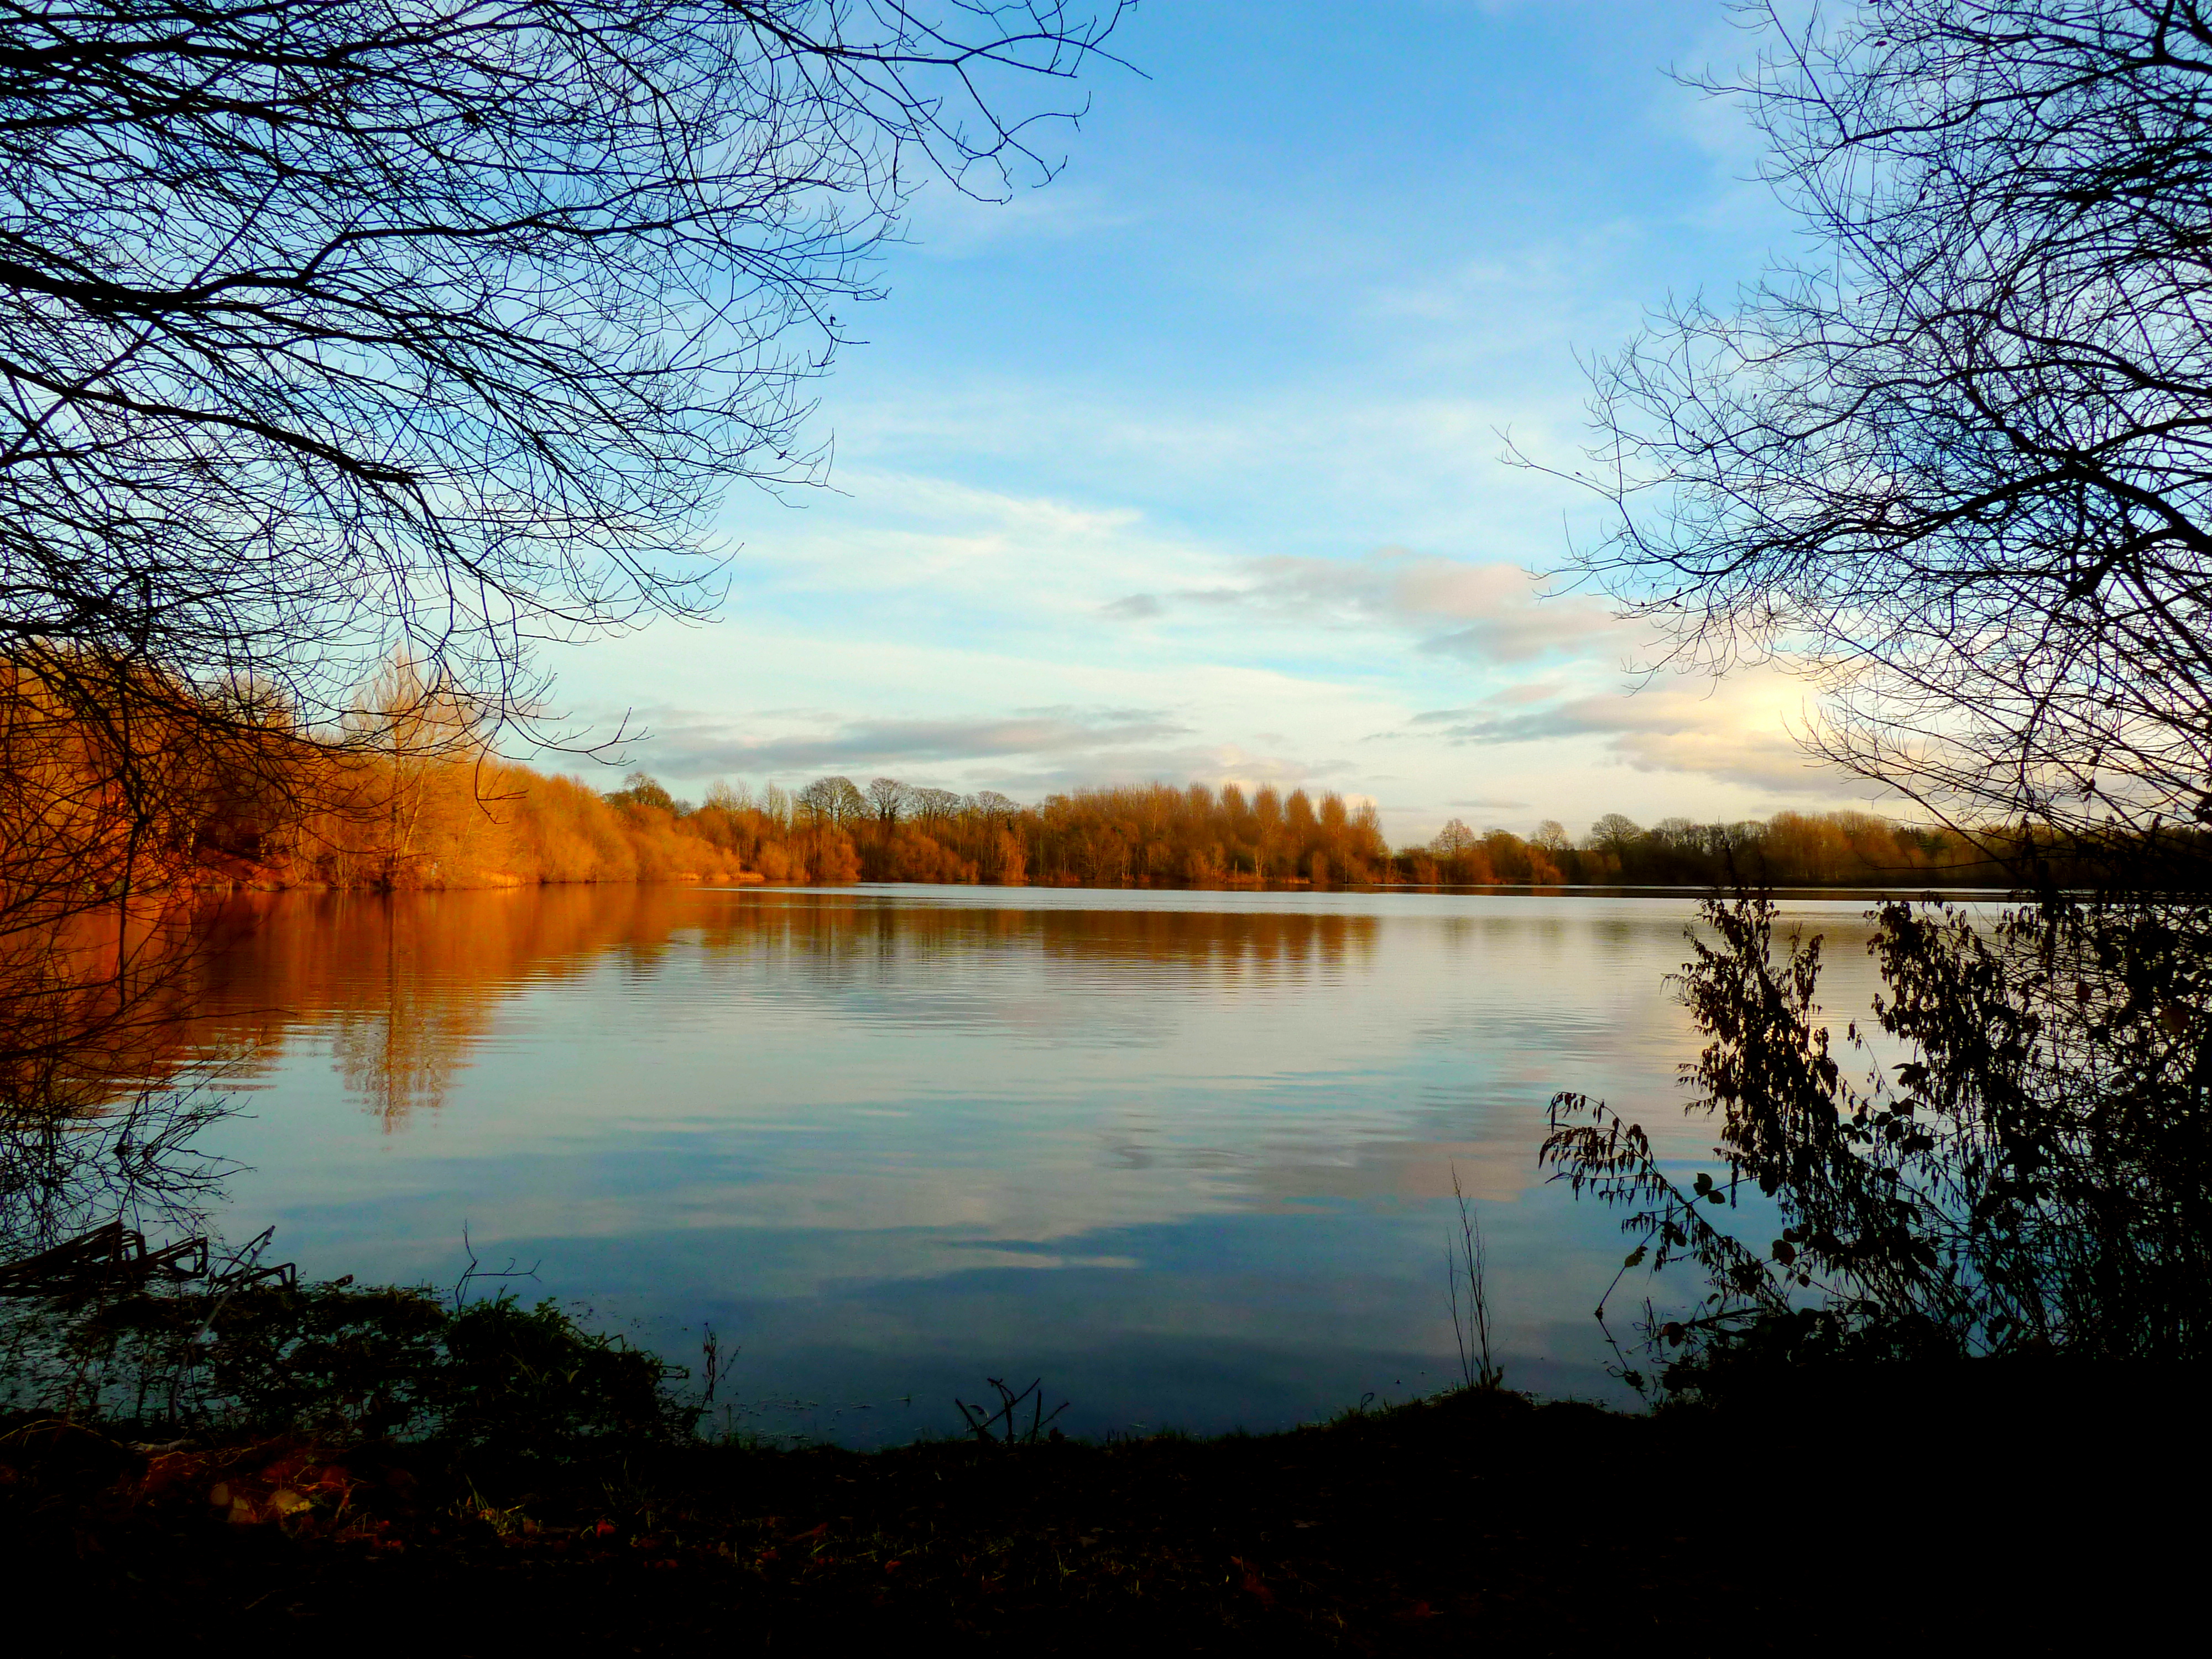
(1409, 1531)
(1474, 1521)
(205, 1457)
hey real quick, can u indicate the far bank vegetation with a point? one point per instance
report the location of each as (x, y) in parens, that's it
(409, 797)
(414, 802)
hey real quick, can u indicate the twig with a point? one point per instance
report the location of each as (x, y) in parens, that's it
(980, 1421)
(472, 1271)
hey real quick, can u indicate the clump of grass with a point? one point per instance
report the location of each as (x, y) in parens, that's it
(1003, 1427)
(1465, 1283)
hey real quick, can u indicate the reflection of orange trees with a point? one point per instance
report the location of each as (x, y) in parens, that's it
(90, 1008)
(840, 938)
(408, 984)
(424, 978)
(1261, 945)
(98, 1102)
(403, 1056)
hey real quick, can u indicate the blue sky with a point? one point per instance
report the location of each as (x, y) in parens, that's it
(1187, 465)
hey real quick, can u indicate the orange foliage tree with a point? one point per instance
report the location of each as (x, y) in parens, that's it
(409, 795)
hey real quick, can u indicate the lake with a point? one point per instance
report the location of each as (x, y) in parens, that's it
(1186, 1156)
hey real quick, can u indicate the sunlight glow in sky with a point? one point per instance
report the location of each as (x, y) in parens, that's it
(1187, 466)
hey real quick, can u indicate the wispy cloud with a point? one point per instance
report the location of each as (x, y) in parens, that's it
(1739, 729)
(1492, 612)
(946, 223)
(1208, 764)
(695, 746)
(1137, 607)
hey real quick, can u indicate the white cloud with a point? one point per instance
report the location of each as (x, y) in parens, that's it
(1489, 612)
(1267, 464)
(693, 745)
(1741, 728)
(943, 224)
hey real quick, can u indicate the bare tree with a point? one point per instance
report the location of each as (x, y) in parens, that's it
(834, 800)
(339, 326)
(1957, 461)
(887, 799)
(934, 806)
(1615, 833)
(415, 727)
(342, 333)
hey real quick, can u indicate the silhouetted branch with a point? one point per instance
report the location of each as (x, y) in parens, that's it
(1957, 463)
(1002, 1427)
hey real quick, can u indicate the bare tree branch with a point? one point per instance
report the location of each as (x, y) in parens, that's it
(1957, 462)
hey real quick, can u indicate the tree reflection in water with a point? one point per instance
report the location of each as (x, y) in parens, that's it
(105, 1085)
(406, 988)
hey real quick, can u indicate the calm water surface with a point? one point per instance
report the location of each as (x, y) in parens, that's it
(1187, 1156)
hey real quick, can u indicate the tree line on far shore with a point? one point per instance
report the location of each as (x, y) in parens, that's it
(1163, 835)
(408, 797)
(431, 811)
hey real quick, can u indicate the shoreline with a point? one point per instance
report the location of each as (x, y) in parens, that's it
(1469, 1517)
(241, 886)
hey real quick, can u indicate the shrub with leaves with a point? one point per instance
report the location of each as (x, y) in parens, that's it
(2034, 1178)
(338, 1361)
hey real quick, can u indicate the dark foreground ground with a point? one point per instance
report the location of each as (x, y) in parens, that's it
(2061, 1517)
